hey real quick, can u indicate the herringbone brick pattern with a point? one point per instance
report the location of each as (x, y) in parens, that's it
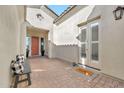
(54, 73)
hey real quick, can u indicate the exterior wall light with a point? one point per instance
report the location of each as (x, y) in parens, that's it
(39, 16)
(118, 12)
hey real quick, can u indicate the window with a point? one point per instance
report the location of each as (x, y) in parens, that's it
(83, 35)
(95, 33)
(95, 41)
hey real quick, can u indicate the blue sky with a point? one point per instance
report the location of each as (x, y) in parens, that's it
(58, 9)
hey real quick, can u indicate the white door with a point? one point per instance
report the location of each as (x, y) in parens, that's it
(89, 45)
(94, 45)
(83, 44)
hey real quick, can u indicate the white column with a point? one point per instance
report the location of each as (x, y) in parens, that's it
(50, 44)
(23, 39)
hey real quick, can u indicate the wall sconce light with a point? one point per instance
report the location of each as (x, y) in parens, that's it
(118, 12)
(39, 16)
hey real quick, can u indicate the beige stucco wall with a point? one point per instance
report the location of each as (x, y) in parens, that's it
(9, 40)
(39, 33)
(23, 39)
(45, 23)
(111, 41)
(68, 53)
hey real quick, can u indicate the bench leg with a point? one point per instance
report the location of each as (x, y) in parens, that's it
(29, 79)
(16, 81)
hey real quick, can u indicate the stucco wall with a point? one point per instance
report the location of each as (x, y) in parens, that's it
(111, 38)
(9, 41)
(67, 52)
(23, 39)
(45, 23)
(112, 43)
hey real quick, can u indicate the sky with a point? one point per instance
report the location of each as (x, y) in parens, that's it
(58, 9)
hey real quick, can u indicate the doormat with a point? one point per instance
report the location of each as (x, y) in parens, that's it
(85, 73)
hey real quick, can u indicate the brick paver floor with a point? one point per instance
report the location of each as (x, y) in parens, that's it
(54, 73)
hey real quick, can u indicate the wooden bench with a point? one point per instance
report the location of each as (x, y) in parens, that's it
(27, 71)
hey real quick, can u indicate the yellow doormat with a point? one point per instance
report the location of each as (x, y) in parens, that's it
(84, 71)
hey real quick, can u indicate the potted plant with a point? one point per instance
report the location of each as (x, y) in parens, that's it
(42, 50)
(27, 52)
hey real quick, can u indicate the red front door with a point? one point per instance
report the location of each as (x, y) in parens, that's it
(35, 46)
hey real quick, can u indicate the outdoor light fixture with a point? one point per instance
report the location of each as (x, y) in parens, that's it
(39, 16)
(118, 12)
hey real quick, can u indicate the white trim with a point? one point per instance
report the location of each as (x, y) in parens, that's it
(94, 24)
(39, 46)
(94, 42)
(94, 62)
(89, 42)
(83, 60)
(30, 46)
